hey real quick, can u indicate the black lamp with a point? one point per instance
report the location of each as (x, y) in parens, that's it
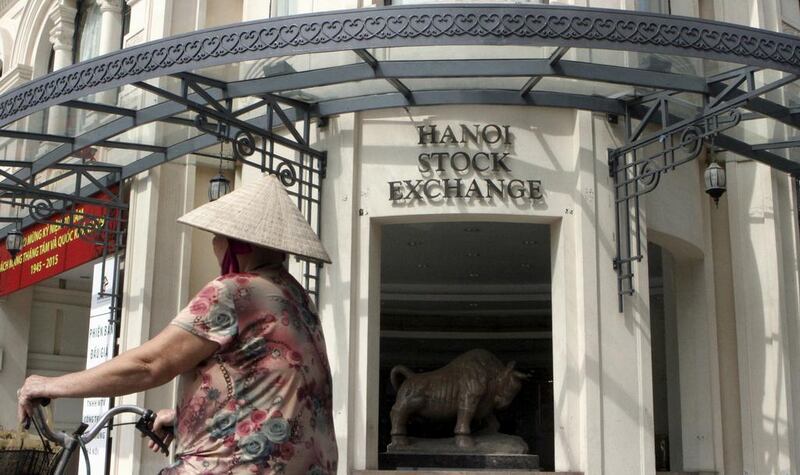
(218, 186)
(14, 241)
(715, 181)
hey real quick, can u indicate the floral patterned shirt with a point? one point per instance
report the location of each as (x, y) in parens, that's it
(262, 403)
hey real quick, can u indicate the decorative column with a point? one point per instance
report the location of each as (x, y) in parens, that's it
(339, 304)
(110, 38)
(613, 358)
(765, 298)
(157, 254)
(62, 16)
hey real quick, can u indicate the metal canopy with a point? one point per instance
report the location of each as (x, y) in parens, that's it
(676, 82)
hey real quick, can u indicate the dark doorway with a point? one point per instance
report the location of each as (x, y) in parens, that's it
(664, 347)
(451, 287)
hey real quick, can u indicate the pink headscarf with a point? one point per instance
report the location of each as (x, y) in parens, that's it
(230, 264)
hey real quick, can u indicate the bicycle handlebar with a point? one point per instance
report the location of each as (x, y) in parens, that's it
(90, 433)
(39, 421)
(85, 434)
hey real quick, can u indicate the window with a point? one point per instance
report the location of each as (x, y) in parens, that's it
(290, 7)
(51, 61)
(87, 31)
(43, 127)
(653, 6)
(126, 22)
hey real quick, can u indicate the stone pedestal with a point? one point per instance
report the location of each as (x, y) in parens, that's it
(485, 444)
(491, 451)
(392, 461)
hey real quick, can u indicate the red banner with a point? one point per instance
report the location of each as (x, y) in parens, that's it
(50, 249)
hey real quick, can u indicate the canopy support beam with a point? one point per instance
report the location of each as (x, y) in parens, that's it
(777, 145)
(225, 116)
(376, 68)
(552, 61)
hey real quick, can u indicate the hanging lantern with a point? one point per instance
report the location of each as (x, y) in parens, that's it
(218, 187)
(14, 242)
(714, 177)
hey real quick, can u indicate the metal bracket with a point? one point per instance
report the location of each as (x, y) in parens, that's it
(636, 172)
(41, 205)
(636, 167)
(302, 174)
(36, 200)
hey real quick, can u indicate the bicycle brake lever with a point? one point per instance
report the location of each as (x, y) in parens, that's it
(144, 424)
(44, 402)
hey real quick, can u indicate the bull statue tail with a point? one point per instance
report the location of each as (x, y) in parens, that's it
(399, 374)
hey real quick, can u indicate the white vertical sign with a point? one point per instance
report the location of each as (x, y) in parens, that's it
(100, 348)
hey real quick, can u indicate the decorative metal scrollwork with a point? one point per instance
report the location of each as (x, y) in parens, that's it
(399, 26)
(201, 123)
(648, 176)
(637, 169)
(244, 144)
(637, 172)
(41, 209)
(301, 176)
(97, 217)
(286, 173)
(106, 232)
(692, 140)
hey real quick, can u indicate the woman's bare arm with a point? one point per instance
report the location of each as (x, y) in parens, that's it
(168, 354)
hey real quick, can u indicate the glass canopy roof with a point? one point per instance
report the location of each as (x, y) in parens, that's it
(140, 107)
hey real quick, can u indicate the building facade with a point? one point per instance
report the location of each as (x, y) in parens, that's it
(657, 330)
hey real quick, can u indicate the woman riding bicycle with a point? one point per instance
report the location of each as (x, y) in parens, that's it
(255, 381)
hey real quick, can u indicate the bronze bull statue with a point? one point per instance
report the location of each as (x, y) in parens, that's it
(472, 386)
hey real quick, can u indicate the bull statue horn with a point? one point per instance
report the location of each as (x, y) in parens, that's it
(521, 375)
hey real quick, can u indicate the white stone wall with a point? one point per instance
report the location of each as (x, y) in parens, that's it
(58, 337)
(598, 369)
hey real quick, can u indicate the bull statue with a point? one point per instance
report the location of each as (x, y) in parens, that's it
(472, 386)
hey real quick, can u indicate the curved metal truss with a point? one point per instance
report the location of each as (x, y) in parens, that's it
(635, 166)
(420, 25)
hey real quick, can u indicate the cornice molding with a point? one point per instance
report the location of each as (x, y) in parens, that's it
(15, 77)
(63, 31)
(114, 6)
(6, 4)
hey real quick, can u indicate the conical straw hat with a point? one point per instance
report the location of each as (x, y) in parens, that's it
(261, 213)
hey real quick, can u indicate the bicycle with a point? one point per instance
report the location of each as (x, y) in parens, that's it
(85, 433)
